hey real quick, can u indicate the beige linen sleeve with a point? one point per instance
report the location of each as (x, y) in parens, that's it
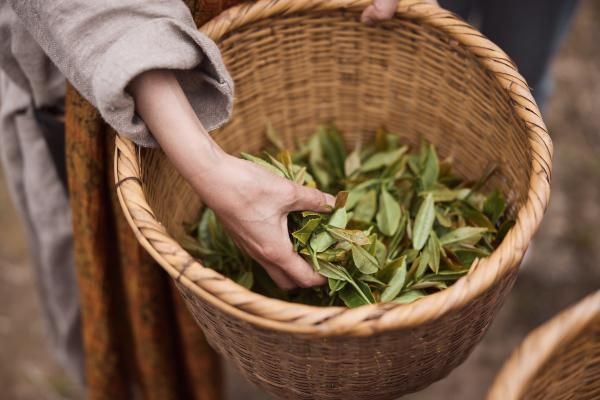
(101, 45)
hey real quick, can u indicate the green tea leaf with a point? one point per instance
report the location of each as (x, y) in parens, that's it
(503, 230)
(357, 295)
(423, 263)
(299, 174)
(372, 280)
(389, 213)
(365, 262)
(333, 148)
(446, 276)
(382, 159)
(366, 207)
(475, 217)
(339, 218)
(245, 279)
(429, 285)
(352, 163)
(442, 218)
(494, 206)
(464, 234)
(354, 196)
(396, 283)
(409, 297)
(431, 168)
(349, 235)
(335, 285)
(279, 165)
(266, 165)
(433, 249)
(423, 222)
(334, 271)
(274, 137)
(380, 252)
(321, 241)
(303, 234)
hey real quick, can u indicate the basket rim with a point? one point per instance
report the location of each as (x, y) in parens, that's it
(275, 314)
(540, 345)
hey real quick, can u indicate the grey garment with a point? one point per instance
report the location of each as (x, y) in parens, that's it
(43, 205)
(100, 46)
(529, 31)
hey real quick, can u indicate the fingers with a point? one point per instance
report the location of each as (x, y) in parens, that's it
(300, 271)
(378, 11)
(309, 199)
(279, 277)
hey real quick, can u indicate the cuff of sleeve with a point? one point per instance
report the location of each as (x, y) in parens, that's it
(162, 43)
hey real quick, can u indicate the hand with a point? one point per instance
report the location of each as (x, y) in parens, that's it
(382, 10)
(251, 203)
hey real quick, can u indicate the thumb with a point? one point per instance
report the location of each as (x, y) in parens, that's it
(379, 10)
(309, 199)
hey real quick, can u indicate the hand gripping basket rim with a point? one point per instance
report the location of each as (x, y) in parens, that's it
(275, 314)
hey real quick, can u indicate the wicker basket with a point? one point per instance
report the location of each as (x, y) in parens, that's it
(560, 360)
(298, 63)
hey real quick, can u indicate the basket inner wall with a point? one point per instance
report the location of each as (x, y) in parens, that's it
(299, 71)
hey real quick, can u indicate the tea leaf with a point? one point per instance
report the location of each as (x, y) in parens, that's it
(423, 222)
(339, 218)
(354, 196)
(380, 252)
(475, 217)
(503, 230)
(300, 175)
(396, 283)
(382, 159)
(431, 168)
(335, 285)
(433, 249)
(365, 262)
(333, 148)
(442, 218)
(280, 166)
(423, 263)
(321, 242)
(352, 163)
(245, 279)
(303, 234)
(494, 206)
(366, 207)
(443, 276)
(263, 163)
(357, 295)
(429, 284)
(340, 200)
(274, 137)
(409, 297)
(463, 234)
(334, 271)
(371, 279)
(388, 215)
(349, 235)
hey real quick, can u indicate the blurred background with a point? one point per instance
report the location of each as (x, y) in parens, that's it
(562, 266)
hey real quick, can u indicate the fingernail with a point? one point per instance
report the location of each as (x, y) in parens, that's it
(329, 200)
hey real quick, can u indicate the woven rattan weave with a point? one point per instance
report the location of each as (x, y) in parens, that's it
(560, 360)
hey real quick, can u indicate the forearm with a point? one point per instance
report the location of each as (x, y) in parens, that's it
(162, 104)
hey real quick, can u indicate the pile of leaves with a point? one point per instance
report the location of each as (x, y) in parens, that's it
(403, 225)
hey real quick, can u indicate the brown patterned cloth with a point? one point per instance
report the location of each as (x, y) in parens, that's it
(139, 339)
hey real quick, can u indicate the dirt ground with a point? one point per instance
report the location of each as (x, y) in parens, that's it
(561, 268)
